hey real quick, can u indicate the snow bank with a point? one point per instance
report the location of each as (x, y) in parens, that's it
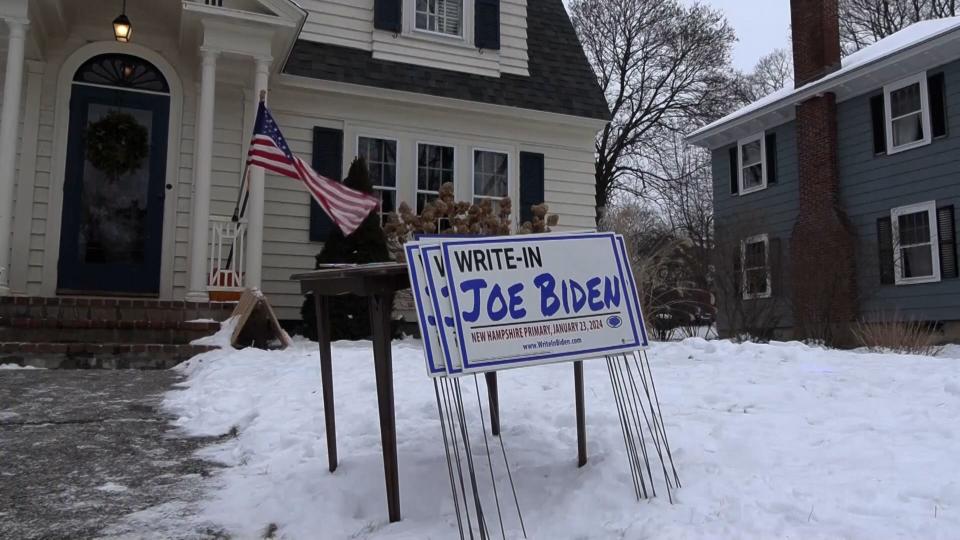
(16, 366)
(771, 441)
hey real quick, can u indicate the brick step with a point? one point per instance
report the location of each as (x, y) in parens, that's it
(103, 331)
(68, 308)
(98, 355)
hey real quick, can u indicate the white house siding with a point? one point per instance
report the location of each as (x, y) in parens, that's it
(567, 147)
(349, 23)
(569, 187)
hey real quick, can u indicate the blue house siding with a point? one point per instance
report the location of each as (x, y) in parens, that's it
(871, 185)
(771, 211)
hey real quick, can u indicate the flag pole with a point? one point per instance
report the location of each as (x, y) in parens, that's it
(241, 206)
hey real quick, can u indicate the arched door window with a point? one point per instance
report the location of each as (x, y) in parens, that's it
(122, 71)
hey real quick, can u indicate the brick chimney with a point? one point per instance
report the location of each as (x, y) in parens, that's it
(823, 240)
(816, 39)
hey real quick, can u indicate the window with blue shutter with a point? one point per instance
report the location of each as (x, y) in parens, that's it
(328, 161)
(487, 24)
(531, 183)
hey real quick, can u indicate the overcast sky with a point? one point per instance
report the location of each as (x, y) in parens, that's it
(761, 26)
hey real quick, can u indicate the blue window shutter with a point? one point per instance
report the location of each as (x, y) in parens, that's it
(531, 183)
(328, 161)
(879, 122)
(487, 24)
(734, 171)
(771, 145)
(938, 106)
(948, 242)
(885, 250)
(388, 15)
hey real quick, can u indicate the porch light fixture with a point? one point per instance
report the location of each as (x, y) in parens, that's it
(122, 29)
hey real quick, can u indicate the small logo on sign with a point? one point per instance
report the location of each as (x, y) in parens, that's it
(614, 321)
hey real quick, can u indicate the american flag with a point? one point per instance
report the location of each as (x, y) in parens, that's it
(268, 149)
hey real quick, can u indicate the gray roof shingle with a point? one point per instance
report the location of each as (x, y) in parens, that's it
(561, 81)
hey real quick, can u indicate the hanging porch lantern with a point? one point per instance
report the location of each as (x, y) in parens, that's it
(122, 29)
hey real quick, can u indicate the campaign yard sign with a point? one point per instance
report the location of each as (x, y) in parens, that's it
(539, 299)
(442, 306)
(426, 319)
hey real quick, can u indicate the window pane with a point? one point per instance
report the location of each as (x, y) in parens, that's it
(434, 168)
(914, 228)
(753, 176)
(917, 261)
(907, 129)
(751, 153)
(442, 16)
(905, 100)
(381, 157)
(423, 199)
(390, 175)
(755, 255)
(756, 281)
(490, 174)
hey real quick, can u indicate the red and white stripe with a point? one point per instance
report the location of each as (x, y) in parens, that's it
(346, 207)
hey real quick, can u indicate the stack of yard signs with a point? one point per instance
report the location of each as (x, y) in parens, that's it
(491, 303)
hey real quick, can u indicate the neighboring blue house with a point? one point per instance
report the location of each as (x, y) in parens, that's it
(841, 191)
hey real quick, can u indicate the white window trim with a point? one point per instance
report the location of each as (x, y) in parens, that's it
(763, 162)
(473, 174)
(931, 208)
(396, 187)
(416, 169)
(920, 78)
(743, 266)
(466, 23)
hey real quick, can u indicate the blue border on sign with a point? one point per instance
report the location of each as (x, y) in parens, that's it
(467, 365)
(413, 250)
(633, 289)
(435, 300)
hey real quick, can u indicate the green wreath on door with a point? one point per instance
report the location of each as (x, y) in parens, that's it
(116, 144)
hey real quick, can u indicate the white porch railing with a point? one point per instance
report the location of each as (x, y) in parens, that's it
(228, 240)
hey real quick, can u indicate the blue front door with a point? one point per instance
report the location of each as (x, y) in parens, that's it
(112, 227)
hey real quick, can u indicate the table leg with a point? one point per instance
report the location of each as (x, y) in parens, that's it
(380, 307)
(326, 377)
(493, 395)
(581, 414)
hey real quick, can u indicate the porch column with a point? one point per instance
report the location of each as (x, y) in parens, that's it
(200, 224)
(9, 122)
(255, 204)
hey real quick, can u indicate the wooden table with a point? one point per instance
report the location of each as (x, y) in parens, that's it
(379, 283)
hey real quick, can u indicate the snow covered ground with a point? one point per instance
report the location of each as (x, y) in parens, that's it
(771, 441)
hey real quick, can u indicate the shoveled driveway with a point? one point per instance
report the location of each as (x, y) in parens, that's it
(89, 454)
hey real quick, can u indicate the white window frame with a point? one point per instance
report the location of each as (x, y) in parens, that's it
(396, 187)
(760, 238)
(763, 162)
(473, 174)
(466, 17)
(931, 208)
(921, 79)
(416, 170)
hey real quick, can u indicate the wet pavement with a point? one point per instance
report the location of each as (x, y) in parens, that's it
(87, 454)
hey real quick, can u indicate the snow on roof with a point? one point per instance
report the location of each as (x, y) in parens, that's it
(910, 36)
